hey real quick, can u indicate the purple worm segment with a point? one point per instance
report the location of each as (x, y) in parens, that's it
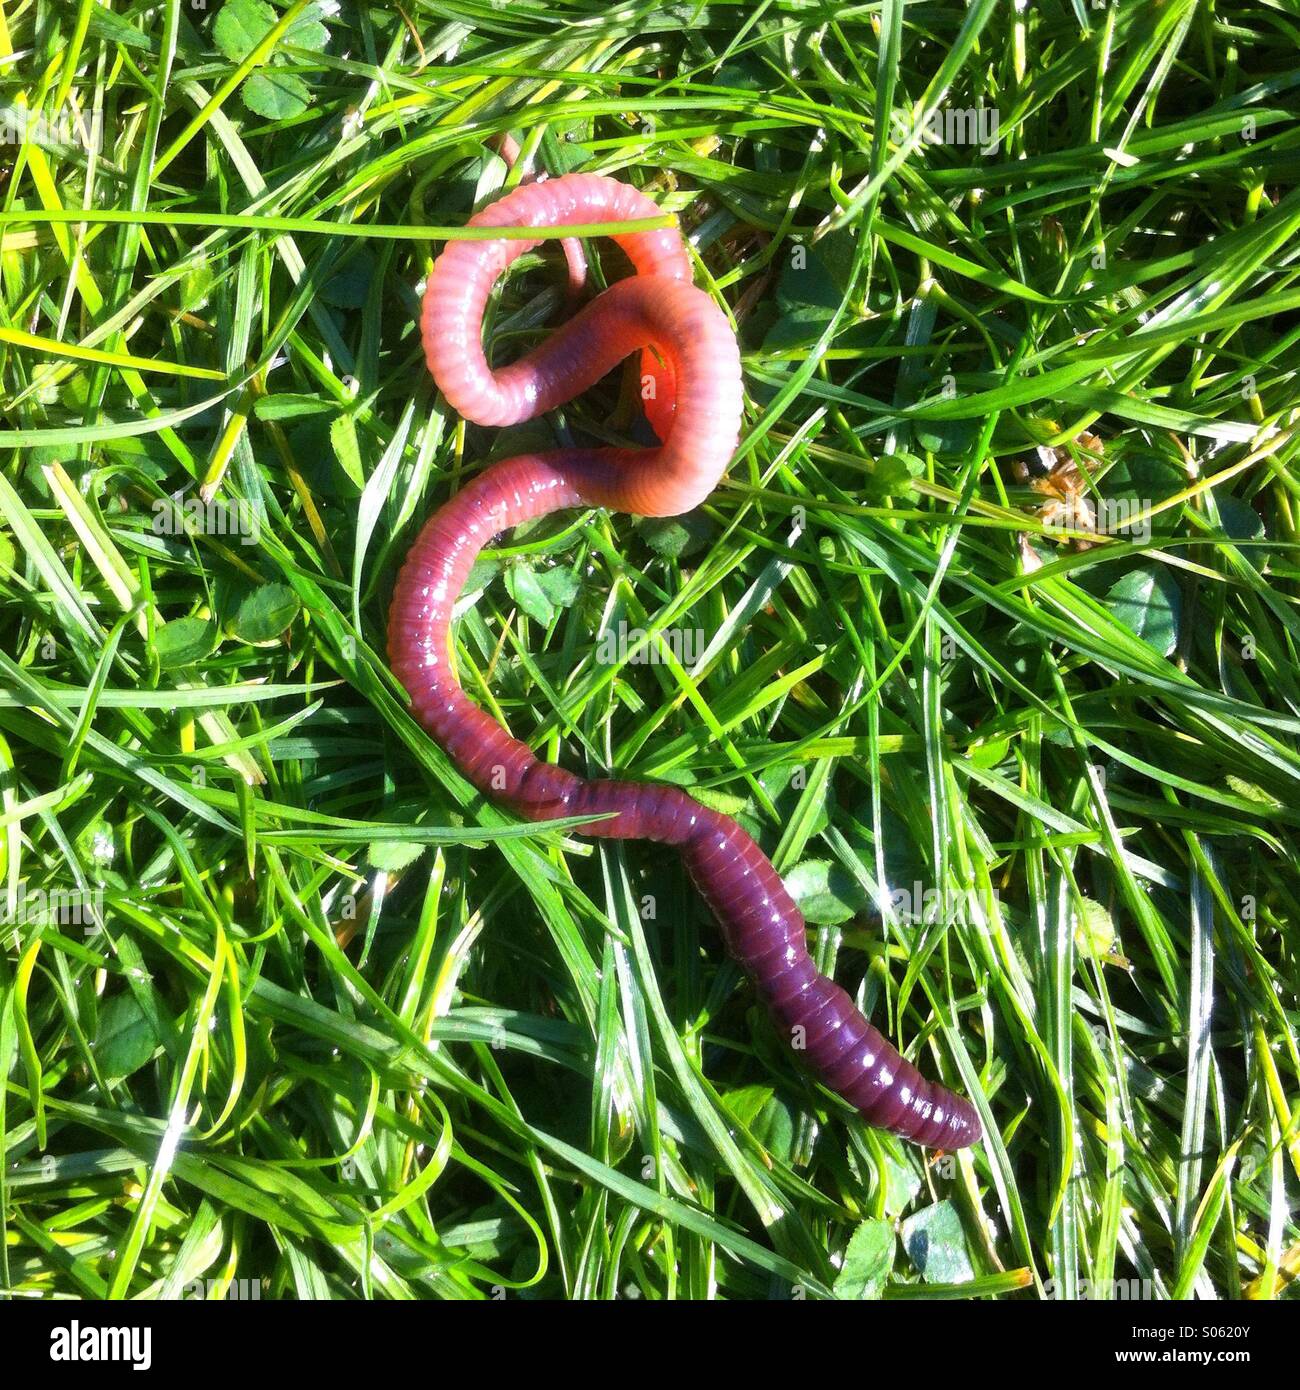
(691, 379)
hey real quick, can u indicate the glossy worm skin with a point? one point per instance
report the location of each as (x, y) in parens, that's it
(695, 409)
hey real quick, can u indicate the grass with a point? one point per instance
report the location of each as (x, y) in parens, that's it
(288, 1011)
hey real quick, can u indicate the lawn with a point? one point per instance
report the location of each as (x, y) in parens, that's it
(989, 638)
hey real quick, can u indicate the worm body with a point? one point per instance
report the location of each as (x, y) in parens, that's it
(691, 376)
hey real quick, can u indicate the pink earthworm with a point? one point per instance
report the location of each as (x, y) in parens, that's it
(693, 398)
(507, 147)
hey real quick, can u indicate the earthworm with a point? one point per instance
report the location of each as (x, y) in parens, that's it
(508, 149)
(692, 394)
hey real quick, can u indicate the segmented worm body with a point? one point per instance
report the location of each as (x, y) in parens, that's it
(691, 367)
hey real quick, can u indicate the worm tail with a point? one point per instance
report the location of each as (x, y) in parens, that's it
(764, 931)
(761, 925)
